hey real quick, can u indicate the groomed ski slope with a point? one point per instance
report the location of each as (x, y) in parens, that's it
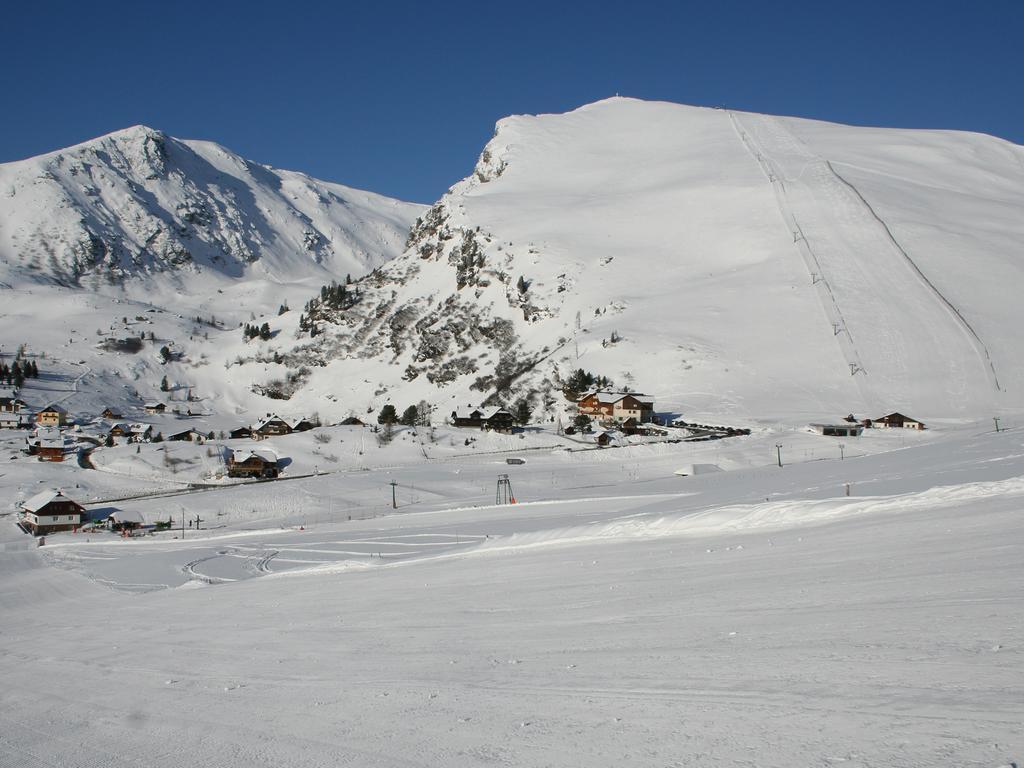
(870, 287)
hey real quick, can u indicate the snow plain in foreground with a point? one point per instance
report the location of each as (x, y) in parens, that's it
(754, 616)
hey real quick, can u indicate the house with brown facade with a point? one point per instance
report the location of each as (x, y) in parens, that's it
(153, 408)
(51, 449)
(50, 437)
(493, 418)
(272, 426)
(51, 511)
(255, 463)
(617, 406)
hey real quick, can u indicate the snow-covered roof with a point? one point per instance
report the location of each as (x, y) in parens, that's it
(485, 413)
(43, 498)
(126, 516)
(139, 428)
(154, 405)
(606, 396)
(54, 408)
(260, 453)
(269, 418)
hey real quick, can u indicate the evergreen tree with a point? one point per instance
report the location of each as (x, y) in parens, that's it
(522, 412)
(409, 417)
(164, 386)
(582, 422)
(265, 331)
(387, 415)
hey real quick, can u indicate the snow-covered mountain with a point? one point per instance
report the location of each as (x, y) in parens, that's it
(725, 262)
(138, 203)
(738, 267)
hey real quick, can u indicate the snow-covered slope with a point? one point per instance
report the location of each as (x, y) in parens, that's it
(138, 202)
(726, 263)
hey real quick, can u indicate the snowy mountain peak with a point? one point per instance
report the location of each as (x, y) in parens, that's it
(137, 202)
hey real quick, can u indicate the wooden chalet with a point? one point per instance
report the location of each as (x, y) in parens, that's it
(497, 419)
(49, 436)
(235, 434)
(302, 425)
(110, 413)
(51, 511)
(895, 420)
(352, 421)
(51, 448)
(258, 463)
(11, 404)
(135, 433)
(52, 416)
(610, 437)
(632, 426)
(617, 406)
(152, 408)
(271, 426)
(191, 435)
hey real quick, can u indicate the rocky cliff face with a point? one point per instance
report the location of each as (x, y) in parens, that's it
(448, 311)
(138, 202)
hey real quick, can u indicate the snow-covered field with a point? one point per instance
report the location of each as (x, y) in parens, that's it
(618, 614)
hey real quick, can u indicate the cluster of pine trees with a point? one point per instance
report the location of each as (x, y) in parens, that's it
(581, 381)
(336, 296)
(413, 416)
(252, 331)
(17, 373)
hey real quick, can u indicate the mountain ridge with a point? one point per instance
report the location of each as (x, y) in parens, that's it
(137, 202)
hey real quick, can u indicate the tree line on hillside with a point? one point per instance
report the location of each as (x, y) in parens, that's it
(253, 331)
(18, 372)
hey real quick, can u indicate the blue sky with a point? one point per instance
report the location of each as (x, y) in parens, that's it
(400, 97)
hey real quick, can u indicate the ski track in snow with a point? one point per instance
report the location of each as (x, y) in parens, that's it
(852, 253)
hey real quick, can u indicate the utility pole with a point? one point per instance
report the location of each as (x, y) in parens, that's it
(183, 522)
(996, 420)
(842, 454)
(198, 521)
(778, 452)
(394, 498)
